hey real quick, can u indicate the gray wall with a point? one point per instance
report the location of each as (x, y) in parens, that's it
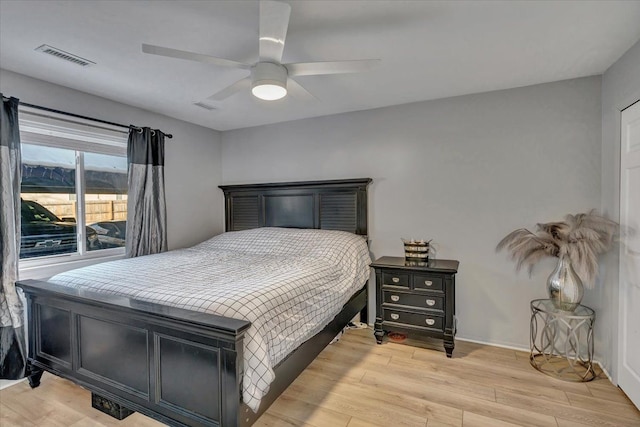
(464, 171)
(620, 88)
(192, 166)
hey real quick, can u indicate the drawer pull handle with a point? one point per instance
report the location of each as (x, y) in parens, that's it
(395, 316)
(428, 283)
(395, 279)
(431, 302)
(395, 298)
(430, 322)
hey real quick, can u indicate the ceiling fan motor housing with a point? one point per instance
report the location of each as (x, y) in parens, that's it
(268, 74)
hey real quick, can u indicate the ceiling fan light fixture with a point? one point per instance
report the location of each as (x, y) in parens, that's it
(269, 81)
(269, 92)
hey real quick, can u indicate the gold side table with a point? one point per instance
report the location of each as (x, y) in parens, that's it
(562, 341)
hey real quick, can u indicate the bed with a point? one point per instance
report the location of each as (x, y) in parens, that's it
(184, 365)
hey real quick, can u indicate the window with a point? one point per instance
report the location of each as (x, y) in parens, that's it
(73, 189)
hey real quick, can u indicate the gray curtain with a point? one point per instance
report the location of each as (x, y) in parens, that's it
(146, 206)
(12, 341)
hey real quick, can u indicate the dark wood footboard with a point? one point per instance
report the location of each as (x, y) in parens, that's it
(177, 366)
(180, 367)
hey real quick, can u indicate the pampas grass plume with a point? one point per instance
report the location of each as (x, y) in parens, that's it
(581, 238)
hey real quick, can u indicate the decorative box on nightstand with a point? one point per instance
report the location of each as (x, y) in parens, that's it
(416, 298)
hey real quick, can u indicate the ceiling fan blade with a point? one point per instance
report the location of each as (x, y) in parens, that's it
(274, 21)
(299, 92)
(191, 56)
(330, 67)
(232, 89)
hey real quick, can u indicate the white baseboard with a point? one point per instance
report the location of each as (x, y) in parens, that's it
(8, 383)
(509, 347)
(605, 372)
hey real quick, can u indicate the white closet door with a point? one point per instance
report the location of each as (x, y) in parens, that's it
(629, 338)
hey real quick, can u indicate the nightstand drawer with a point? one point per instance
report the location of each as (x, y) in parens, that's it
(415, 319)
(413, 300)
(428, 282)
(395, 278)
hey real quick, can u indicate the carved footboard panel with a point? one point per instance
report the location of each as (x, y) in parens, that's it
(177, 366)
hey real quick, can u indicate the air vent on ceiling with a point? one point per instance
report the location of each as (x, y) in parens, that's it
(58, 53)
(205, 106)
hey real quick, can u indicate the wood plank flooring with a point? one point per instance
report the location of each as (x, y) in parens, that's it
(356, 383)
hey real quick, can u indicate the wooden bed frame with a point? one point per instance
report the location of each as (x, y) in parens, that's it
(181, 367)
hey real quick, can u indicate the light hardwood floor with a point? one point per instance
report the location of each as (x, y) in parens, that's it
(356, 383)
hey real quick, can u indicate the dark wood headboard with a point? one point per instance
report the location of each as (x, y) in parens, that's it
(328, 205)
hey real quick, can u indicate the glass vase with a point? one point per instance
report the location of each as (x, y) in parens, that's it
(565, 287)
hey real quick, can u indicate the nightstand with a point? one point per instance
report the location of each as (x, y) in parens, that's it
(416, 298)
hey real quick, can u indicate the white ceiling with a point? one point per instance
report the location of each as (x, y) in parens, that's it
(429, 50)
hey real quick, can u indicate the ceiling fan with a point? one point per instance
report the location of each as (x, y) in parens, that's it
(269, 78)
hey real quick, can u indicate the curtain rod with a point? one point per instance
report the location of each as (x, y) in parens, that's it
(51, 110)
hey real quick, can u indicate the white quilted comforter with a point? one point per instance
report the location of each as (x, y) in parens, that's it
(288, 283)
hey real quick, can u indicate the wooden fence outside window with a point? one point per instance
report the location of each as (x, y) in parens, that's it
(95, 210)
